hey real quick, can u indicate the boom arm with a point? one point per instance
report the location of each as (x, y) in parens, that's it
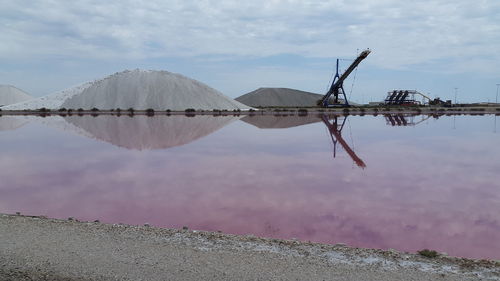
(338, 81)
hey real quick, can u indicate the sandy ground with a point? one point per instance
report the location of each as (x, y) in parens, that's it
(33, 248)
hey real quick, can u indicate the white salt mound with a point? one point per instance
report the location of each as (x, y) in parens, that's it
(10, 95)
(159, 90)
(52, 101)
(138, 89)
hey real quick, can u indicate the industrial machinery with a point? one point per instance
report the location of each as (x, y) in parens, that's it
(405, 97)
(409, 97)
(337, 86)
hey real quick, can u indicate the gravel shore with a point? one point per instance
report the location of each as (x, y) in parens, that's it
(37, 248)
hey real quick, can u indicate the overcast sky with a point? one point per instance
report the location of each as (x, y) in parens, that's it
(236, 47)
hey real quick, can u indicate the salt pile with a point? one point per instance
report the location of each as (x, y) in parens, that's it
(137, 89)
(10, 95)
(52, 101)
(159, 90)
(147, 133)
(279, 97)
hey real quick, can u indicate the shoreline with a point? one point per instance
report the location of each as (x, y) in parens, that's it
(34, 247)
(277, 111)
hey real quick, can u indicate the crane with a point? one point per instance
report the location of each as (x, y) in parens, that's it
(337, 86)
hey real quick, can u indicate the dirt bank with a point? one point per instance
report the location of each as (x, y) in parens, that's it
(46, 249)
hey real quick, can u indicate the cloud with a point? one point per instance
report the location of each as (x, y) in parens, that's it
(402, 34)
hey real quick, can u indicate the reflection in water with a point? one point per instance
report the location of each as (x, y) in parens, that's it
(8, 123)
(284, 121)
(149, 132)
(401, 119)
(335, 129)
(275, 183)
(280, 121)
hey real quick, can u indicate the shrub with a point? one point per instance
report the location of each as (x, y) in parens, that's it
(190, 110)
(62, 109)
(168, 110)
(80, 109)
(150, 112)
(428, 253)
(94, 109)
(43, 109)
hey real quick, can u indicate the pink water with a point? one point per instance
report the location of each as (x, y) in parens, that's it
(434, 185)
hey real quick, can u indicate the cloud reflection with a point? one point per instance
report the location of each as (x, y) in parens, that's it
(416, 196)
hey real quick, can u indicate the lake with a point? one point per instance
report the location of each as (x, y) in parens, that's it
(396, 181)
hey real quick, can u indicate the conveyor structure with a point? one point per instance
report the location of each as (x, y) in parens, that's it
(337, 87)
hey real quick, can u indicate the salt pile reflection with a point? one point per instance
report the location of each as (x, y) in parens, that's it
(149, 132)
(334, 124)
(280, 121)
(8, 123)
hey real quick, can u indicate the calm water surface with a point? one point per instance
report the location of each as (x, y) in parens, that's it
(374, 182)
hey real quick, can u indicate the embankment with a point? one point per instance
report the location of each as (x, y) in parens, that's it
(37, 248)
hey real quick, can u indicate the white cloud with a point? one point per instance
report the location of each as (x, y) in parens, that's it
(401, 33)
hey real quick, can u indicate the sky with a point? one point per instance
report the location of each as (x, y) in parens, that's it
(440, 48)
